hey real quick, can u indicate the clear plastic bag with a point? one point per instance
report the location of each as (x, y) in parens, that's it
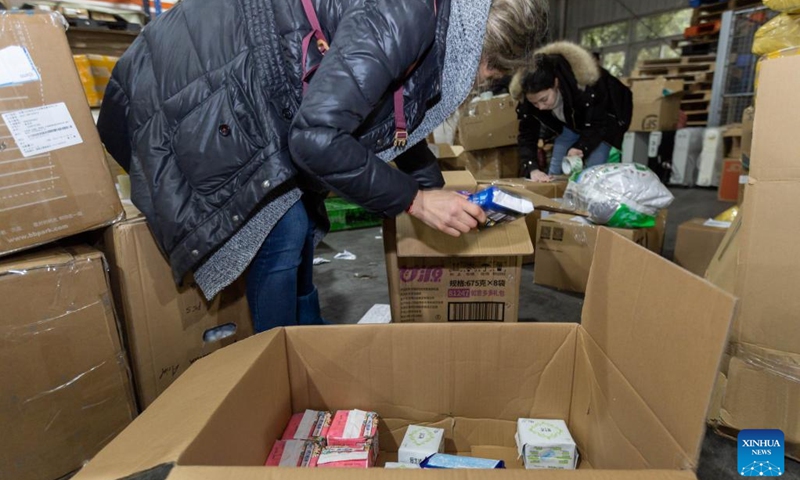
(779, 33)
(625, 195)
(783, 5)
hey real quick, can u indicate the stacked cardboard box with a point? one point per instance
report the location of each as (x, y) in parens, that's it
(167, 328)
(66, 387)
(551, 190)
(488, 130)
(565, 248)
(65, 373)
(656, 104)
(697, 242)
(761, 387)
(437, 278)
(626, 404)
(54, 179)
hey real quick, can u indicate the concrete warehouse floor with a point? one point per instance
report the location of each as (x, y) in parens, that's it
(339, 280)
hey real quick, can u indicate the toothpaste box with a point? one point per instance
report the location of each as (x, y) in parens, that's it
(354, 428)
(501, 206)
(443, 460)
(294, 453)
(398, 465)
(348, 457)
(309, 425)
(546, 444)
(420, 443)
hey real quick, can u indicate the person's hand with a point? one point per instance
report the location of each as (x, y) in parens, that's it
(575, 152)
(540, 176)
(447, 211)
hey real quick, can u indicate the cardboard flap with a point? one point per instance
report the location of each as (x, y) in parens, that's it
(415, 239)
(274, 473)
(459, 180)
(775, 129)
(186, 424)
(479, 372)
(541, 202)
(663, 330)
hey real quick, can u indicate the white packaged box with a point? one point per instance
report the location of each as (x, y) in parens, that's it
(710, 166)
(399, 465)
(688, 147)
(420, 443)
(634, 147)
(546, 444)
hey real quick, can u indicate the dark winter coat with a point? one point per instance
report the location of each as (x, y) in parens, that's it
(597, 105)
(206, 111)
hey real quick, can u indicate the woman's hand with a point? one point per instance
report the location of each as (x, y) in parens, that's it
(447, 211)
(540, 176)
(575, 152)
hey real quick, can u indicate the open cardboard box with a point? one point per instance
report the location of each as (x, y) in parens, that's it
(633, 382)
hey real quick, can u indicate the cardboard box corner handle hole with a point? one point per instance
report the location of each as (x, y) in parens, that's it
(220, 332)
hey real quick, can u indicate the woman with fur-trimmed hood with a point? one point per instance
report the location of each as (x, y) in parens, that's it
(566, 90)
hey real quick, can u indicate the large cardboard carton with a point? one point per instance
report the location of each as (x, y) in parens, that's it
(65, 380)
(167, 328)
(766, 272)
(758, 377)
(656, 105)
(434, 277)
(494, 163)
(487, 165)
(552, 190)
(488, 123)
(565, 249)
(625, 406)
(697, 243)
(54, 180)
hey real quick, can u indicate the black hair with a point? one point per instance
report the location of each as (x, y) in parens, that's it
(542, 76)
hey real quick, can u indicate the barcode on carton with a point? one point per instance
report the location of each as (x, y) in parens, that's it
(476, 311)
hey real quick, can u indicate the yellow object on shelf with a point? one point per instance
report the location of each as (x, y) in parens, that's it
(102, 66)
(780, 33)
(87, 79)
(728, 215)
(783, 5)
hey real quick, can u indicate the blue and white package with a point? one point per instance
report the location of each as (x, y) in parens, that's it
(501, 206)
(445, 461)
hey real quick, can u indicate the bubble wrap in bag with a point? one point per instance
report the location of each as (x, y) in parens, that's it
(618, 195)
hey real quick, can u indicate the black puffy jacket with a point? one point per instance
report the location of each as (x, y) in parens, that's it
(597, 105)
(206, 111)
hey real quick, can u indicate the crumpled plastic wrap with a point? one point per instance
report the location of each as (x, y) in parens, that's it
(780, 33)
(783, 5)
(66, 381)
(618, 195)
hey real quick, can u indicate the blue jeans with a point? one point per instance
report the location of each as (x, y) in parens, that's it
(565, 141)
(280, 286)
